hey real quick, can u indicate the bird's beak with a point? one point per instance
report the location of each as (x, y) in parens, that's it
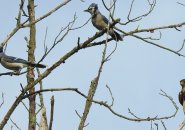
(86, 10)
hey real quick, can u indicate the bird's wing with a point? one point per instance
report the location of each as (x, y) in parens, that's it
(105, 19)
(12, 59)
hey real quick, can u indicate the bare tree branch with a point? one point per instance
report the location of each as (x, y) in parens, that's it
(103, 103)
(31, 58)
(48, 13)
(18, 25)
(22, 25)
(182, 125)
(43, 123)
(112, 103)
(157, 126)
(88, 103)
(138, 18)
(51, 113)
(68, 28)
(150, 42)
(81, 25)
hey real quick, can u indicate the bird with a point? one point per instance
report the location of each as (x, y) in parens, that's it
(182, 92)
(101, 22)
(16, 64)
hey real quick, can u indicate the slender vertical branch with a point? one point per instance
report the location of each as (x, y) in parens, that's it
(51, 113)
(31, 58)
(2, 100)
(43, 124)
(41, 87)
(43, 108)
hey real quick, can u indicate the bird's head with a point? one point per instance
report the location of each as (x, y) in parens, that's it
(182, 82)
(92, 9)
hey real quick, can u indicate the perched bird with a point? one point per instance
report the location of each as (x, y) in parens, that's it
(182, 92)
(101, 22)
(14, 63)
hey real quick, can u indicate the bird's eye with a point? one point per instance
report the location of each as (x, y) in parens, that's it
(91, 8)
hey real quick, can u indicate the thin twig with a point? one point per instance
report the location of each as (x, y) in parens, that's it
(181, 3)
(25, 106)
(2, 95)
(181, 46)
(45, 47)
(111, 95)
(15, 124)
(164, 126)
(81, 25)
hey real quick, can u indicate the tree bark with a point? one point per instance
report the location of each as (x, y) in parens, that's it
(31, 58)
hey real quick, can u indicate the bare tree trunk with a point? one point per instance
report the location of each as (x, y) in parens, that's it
(31, 58)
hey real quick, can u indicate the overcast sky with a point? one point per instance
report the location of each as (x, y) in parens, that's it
(136, 72)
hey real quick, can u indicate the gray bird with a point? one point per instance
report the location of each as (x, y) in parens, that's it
(182, 93)
(16, 64)
(101, 22)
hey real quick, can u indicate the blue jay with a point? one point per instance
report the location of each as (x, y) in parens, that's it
(181, 93)
(101, 22)
(14, 63)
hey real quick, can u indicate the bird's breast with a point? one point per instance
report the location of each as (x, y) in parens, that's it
(99, 23)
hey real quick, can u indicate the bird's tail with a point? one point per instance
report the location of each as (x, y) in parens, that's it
(37, 65)
(116, 36)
